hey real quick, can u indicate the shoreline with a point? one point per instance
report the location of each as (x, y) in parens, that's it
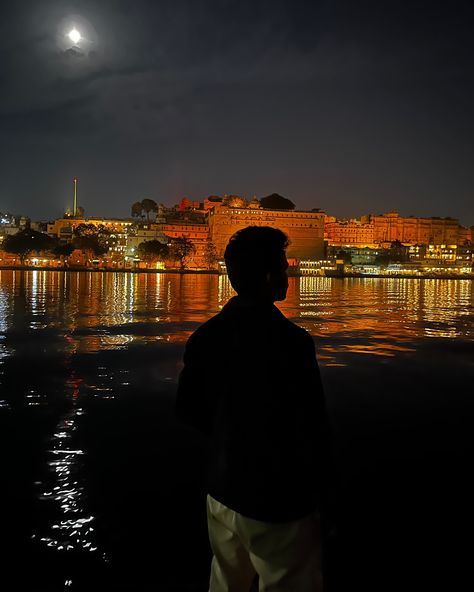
(445, 276)
(105, 270)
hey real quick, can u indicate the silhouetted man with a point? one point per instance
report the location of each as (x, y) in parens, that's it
(251, 382)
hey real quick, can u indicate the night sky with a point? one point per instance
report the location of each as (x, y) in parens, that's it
(350, 106)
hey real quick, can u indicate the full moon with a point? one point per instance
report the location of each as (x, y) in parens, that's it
(77, 36)
(74, 35)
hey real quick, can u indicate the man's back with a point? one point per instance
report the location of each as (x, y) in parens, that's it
(251, 381)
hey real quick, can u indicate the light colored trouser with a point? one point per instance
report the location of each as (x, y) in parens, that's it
(286, 557)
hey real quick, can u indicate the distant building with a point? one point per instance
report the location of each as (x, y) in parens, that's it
(63, 228)
(141, 233)
(8, 230)
(188, 204)
(393, 227)
(304, 229)
(197, 233)
(442, 254)
(465, 235)
(10, 225)
(211, 201)
(349, 233)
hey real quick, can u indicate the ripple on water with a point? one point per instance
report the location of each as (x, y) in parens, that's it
(123, 334)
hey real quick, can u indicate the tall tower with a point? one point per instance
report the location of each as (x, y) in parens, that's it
(74, 209)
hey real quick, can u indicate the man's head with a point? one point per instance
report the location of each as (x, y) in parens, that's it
(256, 263)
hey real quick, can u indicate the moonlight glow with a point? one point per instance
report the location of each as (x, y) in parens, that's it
(74, 35)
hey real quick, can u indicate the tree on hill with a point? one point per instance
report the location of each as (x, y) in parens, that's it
(398, 253)
(276, 202)
(63, 249)
(235, 201)
(27, 241)
(148, 206)
(88, 229)
(92, 238)
(180, 250)
(210, 254)
(137, 209)
(153, 250)
(383, 258)
(144, 208)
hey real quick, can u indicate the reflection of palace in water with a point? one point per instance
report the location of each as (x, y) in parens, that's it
(104, 311)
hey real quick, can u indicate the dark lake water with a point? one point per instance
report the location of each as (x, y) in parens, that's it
(102, 490)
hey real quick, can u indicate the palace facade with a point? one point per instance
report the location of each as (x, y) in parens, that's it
(304, 229)
(375, 230)
(422, 231)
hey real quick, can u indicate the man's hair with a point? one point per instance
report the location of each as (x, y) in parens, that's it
(251, 253)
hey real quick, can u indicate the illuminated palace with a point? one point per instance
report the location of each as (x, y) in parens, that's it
(375, 230)
(316, 238)
(304, 229)
(64, 227)
(213, 220)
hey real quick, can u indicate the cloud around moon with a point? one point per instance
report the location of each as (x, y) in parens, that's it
(76, 36)
(328, 103)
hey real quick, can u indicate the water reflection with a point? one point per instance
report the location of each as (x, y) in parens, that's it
(73, 529)
(106, 311)
(5, 304)
(69, 338)
(225, 290)
(390, 308)
(70, 528)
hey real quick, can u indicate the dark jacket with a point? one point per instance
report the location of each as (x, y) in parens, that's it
(251, 382)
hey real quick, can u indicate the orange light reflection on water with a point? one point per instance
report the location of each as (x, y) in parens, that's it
(104, 311)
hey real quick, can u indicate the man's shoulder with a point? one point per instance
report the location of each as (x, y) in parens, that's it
(209, 329)
(217, 329)
(297, 332)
